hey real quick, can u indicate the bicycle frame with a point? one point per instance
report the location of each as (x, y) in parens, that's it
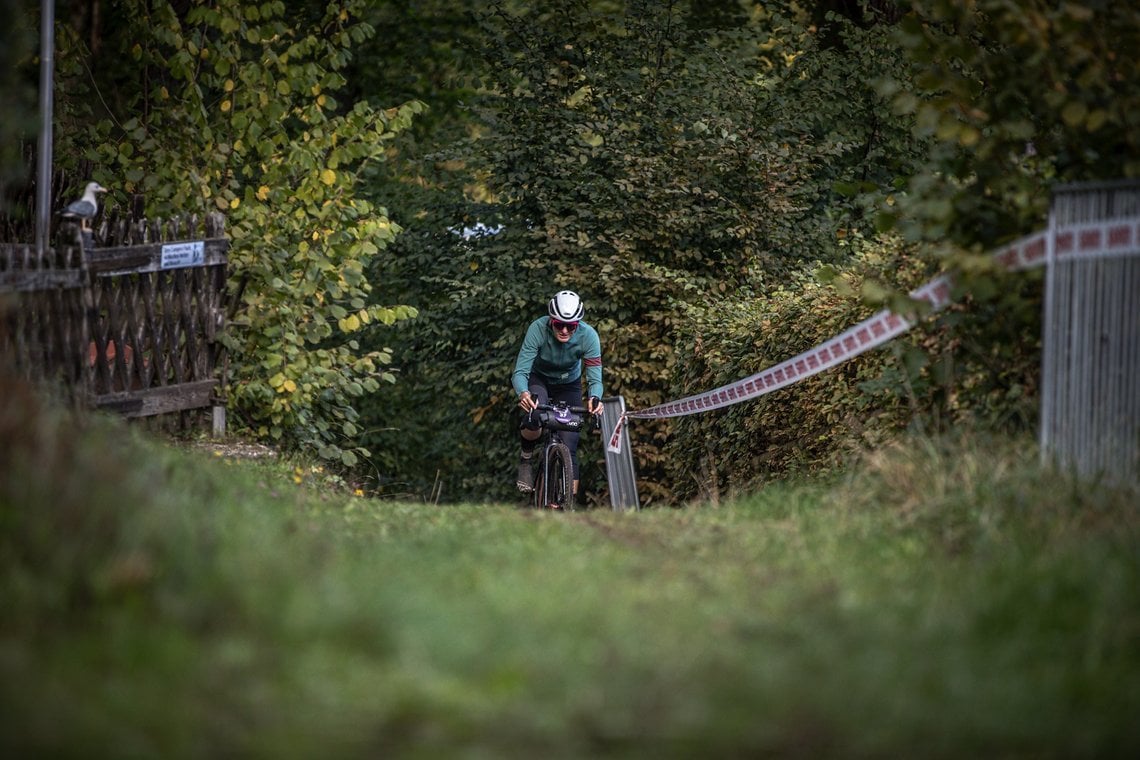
(554, 486)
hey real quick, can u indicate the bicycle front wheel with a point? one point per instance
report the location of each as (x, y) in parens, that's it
(560, 483)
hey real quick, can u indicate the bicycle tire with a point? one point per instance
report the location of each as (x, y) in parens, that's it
(560, 494)
(538, 495)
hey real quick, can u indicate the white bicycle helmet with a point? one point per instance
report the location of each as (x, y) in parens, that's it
(565, 306)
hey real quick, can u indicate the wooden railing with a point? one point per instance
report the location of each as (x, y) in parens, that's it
(43, 312)
(132, 326)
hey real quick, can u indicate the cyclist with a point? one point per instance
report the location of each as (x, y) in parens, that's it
(549, 369)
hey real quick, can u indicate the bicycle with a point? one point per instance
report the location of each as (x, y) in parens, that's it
(554, 480)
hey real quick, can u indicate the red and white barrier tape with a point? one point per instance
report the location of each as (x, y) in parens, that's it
(1077, 241)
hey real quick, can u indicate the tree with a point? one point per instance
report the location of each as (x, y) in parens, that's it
(625, 155)
(1017, 97)
(231, 106)
(18, 95)
(1006, 100)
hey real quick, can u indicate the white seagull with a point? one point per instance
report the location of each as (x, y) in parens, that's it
(86, 207)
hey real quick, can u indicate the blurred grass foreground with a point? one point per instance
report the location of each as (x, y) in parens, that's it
(940, 600)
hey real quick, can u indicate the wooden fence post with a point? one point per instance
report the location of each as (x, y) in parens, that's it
(215, 227)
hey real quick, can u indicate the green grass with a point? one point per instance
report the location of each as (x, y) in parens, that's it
(943, 600)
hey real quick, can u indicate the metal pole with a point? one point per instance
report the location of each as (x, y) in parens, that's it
(47, 75)
(1048, 341)
(619, 467)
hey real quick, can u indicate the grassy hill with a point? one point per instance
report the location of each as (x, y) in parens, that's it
(943, 599)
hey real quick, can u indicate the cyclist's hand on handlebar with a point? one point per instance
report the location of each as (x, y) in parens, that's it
(594, 405)
(527, 402)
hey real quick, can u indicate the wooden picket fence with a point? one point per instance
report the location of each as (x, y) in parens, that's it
(131, 326)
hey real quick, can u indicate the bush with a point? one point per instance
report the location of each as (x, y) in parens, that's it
(227, 106)
(975, 363)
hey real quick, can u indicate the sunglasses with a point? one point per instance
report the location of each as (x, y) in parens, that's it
(559, 326)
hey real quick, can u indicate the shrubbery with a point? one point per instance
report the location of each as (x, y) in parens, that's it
(976, 362)
(231, 106)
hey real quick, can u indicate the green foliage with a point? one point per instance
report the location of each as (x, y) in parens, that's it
(974, 365)
(417, 429)
(672, 161)
(231, 106)
(1017, 97)
(421, 51)
(625, 157)
(826, 91)
(17, 95)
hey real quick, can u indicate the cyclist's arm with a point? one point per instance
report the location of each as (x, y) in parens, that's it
(593, 376)
(528, 352)
(592, 362)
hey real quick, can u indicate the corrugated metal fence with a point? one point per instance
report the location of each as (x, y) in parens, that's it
(1090, 369)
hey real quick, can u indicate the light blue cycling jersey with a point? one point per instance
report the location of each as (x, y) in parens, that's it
(544, 355)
